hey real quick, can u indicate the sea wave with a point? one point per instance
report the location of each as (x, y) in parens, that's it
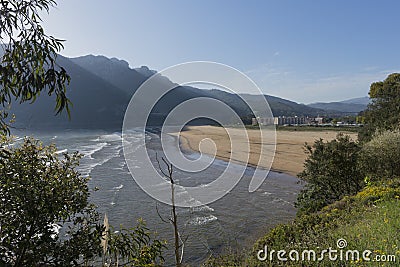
(202, 209)
(118, 187)
(89, 150)
(280, 200)
(202, 220)
(110, 137)
(109, 152)
(62, 151)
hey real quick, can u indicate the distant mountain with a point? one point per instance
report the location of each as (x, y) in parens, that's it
(118, 73)
(346, 107)
(144, 70)
(115, 71)
(360, 100)
(279, 106)
(96, 103)
(282, 107)
(101, 89)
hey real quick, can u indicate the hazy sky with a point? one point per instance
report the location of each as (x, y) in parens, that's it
(305, 51)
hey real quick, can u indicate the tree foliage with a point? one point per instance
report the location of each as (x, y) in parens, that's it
(380, 157)
(45, 216)
(384, 111)
(331, 172)
(132, 247)
(28, 64)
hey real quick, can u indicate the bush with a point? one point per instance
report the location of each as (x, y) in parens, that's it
(380, 157)
(373, 194)
(331, 172)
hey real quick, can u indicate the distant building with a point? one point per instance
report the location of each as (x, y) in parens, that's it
(318, 120)
(283, 120)
(263, 121)
(292, 120)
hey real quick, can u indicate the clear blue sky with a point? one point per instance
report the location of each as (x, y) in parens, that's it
(305, 51)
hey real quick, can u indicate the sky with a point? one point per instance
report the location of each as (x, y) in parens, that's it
(305, 51)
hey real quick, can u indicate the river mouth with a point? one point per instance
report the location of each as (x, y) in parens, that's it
(236, 220)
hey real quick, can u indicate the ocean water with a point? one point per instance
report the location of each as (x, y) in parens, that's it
(234, 221)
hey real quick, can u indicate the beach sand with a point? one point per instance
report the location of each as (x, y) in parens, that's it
(289, 156)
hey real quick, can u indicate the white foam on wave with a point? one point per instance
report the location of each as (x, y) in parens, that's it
(122, 167)
(133, 140)
(122, 164)
(202, 209)
(90, 163)
(110, 137)
(280, 200)
(135, 134)
(89, 150)
(86, 169)
(118, 187)
(197, 206)
(62, 151)
(16, 140)
(202, 220)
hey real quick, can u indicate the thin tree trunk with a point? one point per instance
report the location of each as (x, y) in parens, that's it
(175, 224)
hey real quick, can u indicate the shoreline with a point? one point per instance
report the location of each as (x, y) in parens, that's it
(289, 154)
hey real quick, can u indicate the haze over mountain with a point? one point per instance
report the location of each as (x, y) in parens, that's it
(96, 103)
(283, 107)
(101, 89)
(115, 71)
(354, 105)
(359, 100)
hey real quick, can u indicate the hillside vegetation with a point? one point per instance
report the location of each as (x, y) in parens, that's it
(369, 220)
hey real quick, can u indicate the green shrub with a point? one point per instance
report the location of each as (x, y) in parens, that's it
(331, 172)
(380, 157)
(374, 194)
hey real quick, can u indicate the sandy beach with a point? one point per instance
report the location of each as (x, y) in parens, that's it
(289, 156)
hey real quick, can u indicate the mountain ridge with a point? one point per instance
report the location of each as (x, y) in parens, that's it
(102, 87)
(353, 105)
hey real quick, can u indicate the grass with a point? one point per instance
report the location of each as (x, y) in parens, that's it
(369, 220)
